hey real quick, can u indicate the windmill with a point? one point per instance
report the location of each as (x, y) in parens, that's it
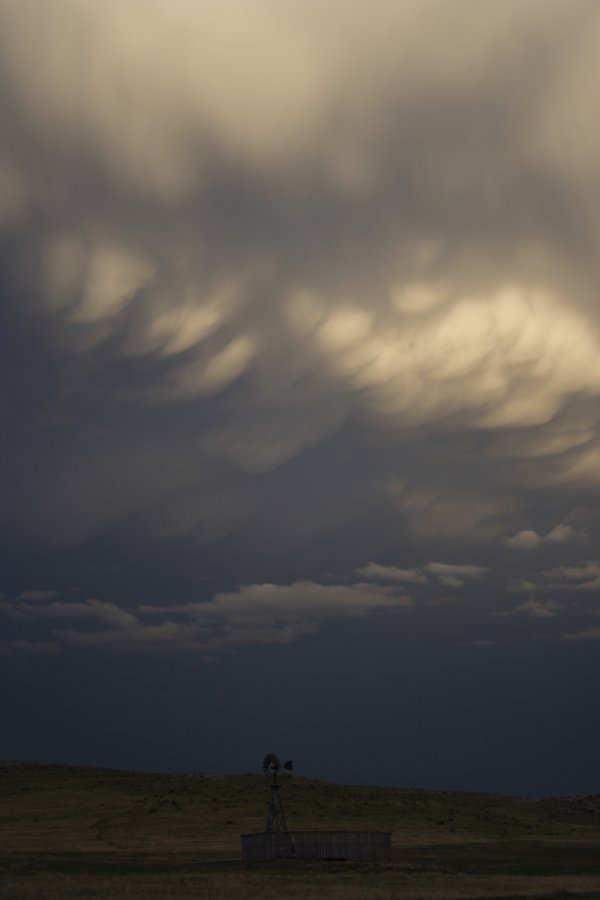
(276, 842)
(275, 816)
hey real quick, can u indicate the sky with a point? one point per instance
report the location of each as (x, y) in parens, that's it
(300, 349)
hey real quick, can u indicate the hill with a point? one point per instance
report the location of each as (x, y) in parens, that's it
(80, 832)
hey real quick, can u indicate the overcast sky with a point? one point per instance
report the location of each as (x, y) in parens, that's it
(300, 346)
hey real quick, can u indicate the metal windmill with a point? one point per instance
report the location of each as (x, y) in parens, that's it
(275, 816)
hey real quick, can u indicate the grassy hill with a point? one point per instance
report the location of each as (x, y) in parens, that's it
(79, 832)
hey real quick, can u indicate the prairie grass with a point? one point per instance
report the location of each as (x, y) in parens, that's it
(329, 885)
(69, 832)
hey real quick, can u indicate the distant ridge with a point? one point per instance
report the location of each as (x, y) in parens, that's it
(573, 800)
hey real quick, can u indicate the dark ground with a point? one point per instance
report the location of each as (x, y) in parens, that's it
(69, 832)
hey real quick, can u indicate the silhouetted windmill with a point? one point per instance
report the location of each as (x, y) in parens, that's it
(275, 816)
(276, 842)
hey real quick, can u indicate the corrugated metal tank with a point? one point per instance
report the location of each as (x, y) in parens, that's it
(360, 846)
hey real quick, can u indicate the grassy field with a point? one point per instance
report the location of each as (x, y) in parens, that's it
(70, 832)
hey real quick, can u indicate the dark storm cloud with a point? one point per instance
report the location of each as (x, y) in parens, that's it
(336, 255)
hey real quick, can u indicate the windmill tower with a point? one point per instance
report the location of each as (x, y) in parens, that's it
(276, 842)
(276, 815)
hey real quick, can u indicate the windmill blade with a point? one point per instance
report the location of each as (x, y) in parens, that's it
(271, 764)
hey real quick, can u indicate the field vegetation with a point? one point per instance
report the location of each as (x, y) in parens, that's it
(69, 832)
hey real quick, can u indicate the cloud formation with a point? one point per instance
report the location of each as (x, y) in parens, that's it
(265, 613)
(255, 614)
(583, 577)
(529, 539)
(37, 595)
(537, 609)
(288, 273)
(376, 572)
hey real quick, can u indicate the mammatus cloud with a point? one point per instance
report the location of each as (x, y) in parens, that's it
(300, 342)
(507, 360)
(230, 239)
